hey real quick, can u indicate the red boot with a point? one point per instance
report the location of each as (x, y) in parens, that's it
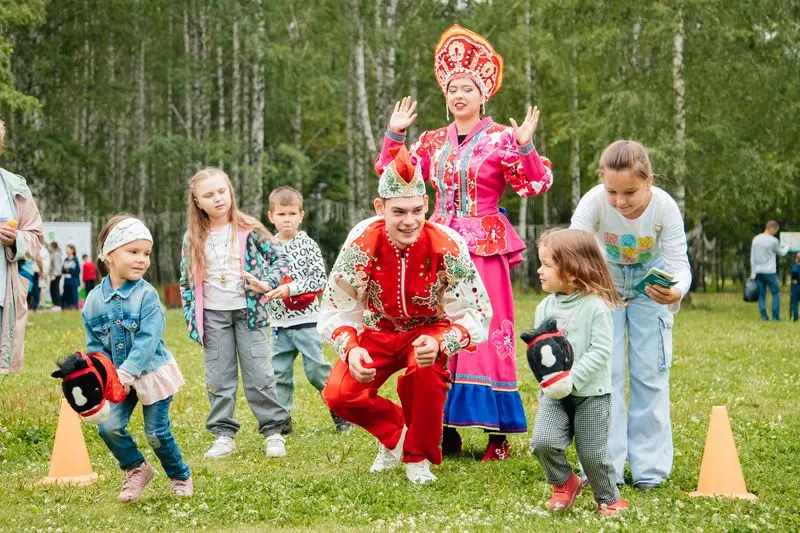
(612, 509)
(497, 449)
(564, 495)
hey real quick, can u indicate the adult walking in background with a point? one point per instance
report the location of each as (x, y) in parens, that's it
(469, 163)
(764, 268)
(71, 271)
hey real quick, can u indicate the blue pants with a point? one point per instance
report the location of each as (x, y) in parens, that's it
(771, 281)
(641, 432)
(115, 434)
(286, 343)
(794, 298)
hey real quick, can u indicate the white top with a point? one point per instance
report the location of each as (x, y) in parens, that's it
(44, 255)
(307, 270)
(631, 242)
(762, 254)
(223, 287)
(5, 211)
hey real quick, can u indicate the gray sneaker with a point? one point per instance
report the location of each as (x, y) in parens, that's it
(342, 426)
(136, 479)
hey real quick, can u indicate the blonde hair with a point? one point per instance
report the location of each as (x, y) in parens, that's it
(198, 224)
(576, 255)
(285, 195)
(2, 136)
(626, 155)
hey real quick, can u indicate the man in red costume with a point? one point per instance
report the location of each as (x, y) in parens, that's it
(403, 294)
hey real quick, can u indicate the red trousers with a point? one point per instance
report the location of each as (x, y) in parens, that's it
(422, 392)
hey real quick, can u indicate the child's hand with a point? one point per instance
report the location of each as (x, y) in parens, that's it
(253, 284)
(8, 234)
(126, 379)
(425, 350)
(663, 295)
(282, 291)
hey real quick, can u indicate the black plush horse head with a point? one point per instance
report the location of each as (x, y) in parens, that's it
(88, 381)
(550, 357)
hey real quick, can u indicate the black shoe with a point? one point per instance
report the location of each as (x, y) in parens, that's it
(287, 426)
(451, 441)
(645, 486)
(342, 426)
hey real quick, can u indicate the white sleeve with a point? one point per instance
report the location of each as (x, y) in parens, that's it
(587, 213)
(673, 247)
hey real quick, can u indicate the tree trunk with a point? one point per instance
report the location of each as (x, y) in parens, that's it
(414, 90)
(351, 139)
(297, 126)
(141, 129)
(204, 102)
(522, 228)
(236, 111)
(188, 118)
(362, 108)
(256, 184)
(576, 142)
(220, 99)
(680, 116)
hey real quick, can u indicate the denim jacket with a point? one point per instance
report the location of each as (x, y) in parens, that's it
(127, 325)
(263, 258)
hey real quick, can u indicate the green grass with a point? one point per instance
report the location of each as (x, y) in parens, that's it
(723, 356)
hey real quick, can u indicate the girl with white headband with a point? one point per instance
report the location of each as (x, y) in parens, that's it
(124, 320)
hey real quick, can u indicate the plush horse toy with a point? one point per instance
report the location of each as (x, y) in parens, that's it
(88, 381)
(550, 357)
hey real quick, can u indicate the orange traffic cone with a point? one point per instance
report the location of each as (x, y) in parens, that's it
(720, 472)
(69, 464)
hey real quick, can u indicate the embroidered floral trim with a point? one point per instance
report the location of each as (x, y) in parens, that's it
(503, 340)
(459, 268)
(451, 342)
(340, 344)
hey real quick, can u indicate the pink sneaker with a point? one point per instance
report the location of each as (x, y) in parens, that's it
(136, 479)
(612, 509)
(183, 488)
(564, 495)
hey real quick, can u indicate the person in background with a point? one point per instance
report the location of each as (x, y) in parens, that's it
(44, 275)
(71, 270)
(795, 294)
(764, 268)
(88, 273)
(56, 262)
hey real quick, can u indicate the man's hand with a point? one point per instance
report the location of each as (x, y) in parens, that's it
(425, 350)
(356, 359)
(8, 235)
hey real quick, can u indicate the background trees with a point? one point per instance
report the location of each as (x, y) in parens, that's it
(112, 104)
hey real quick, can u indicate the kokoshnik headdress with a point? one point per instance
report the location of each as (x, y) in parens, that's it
(460, 51)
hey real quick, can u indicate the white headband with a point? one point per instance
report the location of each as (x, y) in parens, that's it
(127, 230)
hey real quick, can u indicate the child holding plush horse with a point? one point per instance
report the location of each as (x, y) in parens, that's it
(124, 320)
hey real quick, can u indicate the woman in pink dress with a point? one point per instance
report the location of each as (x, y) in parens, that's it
(469, 163)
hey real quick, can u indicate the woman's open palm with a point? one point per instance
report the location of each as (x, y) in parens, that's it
(404, 115)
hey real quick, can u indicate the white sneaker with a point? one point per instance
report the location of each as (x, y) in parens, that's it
(222, 447)
(420, 473)
(275, 446)
(389, 459)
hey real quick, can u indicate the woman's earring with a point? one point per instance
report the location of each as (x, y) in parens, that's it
(447, 111)
(483, 108)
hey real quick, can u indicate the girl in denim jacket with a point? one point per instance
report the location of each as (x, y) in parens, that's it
(221, 248)
(124, 319)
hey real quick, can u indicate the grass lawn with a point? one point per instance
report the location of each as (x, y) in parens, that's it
(723, 356)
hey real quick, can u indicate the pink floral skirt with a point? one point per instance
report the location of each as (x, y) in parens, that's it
(484, 392)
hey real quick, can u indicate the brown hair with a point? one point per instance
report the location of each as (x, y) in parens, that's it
(626, 155)
(103, 235)
(285, 195)
(773, 225)
(198, 224)
(576, 255)
(2, 136)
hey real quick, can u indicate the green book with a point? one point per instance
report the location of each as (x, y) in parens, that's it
(654, 276)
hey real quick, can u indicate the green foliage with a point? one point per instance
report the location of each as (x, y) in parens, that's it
(723, 356)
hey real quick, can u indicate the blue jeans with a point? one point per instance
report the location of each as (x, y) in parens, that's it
(794, 298)
(771, 281)
(642, 351)
(115, 434)
(286, 343)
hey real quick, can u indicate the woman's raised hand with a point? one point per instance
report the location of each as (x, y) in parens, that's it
(524, 132)
(403, 115)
